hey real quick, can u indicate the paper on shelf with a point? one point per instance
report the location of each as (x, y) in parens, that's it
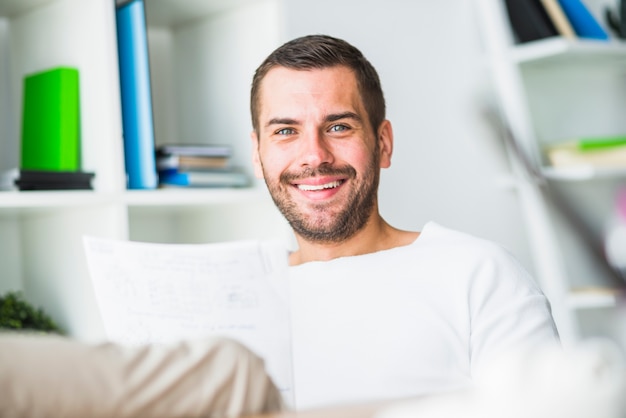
(159, 293)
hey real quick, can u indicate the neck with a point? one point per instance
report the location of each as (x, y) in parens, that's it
(377, 235)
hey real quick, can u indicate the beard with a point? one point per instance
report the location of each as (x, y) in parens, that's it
(328, 222)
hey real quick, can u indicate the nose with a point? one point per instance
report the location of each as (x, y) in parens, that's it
(315, 149)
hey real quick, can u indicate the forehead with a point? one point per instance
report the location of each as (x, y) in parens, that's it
(338, 73)
(336, 83)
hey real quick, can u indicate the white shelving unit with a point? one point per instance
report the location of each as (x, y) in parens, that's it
(203, 54)
(550, 91)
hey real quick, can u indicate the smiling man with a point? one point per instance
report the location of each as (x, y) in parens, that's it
(377, 312)
(320, 156)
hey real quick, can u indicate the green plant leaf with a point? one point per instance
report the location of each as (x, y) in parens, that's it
(18, 314)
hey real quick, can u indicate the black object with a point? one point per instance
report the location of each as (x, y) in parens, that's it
(616, 20)
(54, 180)
(529, 20)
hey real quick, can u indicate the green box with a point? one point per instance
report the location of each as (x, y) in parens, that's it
(51, 121)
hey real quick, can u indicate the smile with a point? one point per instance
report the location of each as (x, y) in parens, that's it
(311, 187)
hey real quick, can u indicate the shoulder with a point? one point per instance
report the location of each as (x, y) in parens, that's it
(506, 306)
(465, 246)
(435, 233)
(484, 264)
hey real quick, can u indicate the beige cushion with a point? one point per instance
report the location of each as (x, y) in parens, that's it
(44, 376)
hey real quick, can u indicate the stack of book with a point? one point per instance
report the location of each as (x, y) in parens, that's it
(198, 165)
(597, 152)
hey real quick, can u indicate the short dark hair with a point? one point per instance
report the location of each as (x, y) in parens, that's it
(318, 52)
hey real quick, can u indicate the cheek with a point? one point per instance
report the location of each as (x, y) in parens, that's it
(358, 157)
(271, 164)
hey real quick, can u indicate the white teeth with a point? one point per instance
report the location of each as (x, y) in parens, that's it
(308, 187)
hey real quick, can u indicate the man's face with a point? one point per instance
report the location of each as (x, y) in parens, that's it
(317, 152)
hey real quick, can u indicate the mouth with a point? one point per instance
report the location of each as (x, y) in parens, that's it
(318, 187)
(319, 184)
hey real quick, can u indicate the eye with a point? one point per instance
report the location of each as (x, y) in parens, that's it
(338, 128)
(285, 131)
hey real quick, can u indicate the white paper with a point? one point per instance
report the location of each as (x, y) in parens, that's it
(159, 293)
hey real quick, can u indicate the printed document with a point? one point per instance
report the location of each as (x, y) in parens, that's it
(160, 293)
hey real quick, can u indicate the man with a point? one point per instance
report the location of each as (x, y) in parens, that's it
(378, 312)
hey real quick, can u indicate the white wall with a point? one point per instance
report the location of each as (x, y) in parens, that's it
(447, 162)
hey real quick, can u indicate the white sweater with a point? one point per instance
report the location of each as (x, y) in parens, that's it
(418, 319)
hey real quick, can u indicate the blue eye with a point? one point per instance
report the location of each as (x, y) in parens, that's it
(285, 131)
(338, 128)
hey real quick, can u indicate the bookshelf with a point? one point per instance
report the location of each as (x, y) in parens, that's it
(549, 91)
(583, 173)
(562, 51)
(202, 54)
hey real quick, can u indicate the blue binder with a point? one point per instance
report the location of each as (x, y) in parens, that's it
(584, 23)
(137, 122)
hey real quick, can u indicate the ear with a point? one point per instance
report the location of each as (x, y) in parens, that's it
(256, 159)
(385, 143)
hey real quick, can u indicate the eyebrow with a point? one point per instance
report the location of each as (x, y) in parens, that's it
(281, 121)
(329, 118)
(345, 115)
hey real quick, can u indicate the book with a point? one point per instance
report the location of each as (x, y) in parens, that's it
(137, 119)
(191, 162)
(162, 293)
(205, 150)
(582, 20)
(600, 152)
(559, 19)
(594, 143)
(529, 20)
(233, 177)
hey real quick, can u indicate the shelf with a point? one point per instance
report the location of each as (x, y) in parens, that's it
(53, 199)
(172, 13)
(593, 298)
(563, 51)
(191, 197)
(195, 46)
(550, 90)
(136, 198)
(583, 173)
(570, 174)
